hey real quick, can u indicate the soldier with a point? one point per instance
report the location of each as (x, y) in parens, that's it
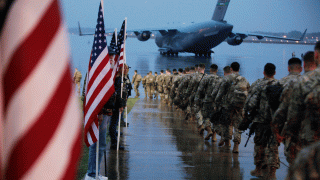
(136, 82)
(196, 68)
(76, 79)
(302, 125)
(176, 80)
(280, 116)
(145, 85)
(257, 106)
(306, 165)
(181, 98)
(150, 84)
(155, 85)
(159, 82)
(218, 127)
(190, 94)
(167, 85)
(294, 68)
(231, 99)
(205, 100)
(309, 63)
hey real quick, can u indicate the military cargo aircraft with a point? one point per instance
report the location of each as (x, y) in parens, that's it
(200, 38)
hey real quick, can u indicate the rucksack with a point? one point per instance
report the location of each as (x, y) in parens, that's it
(273, 93)
(312, 102)
(236, 94)
(138, 78)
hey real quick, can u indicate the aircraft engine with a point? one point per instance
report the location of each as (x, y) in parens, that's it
(235, 40)
(144, 36)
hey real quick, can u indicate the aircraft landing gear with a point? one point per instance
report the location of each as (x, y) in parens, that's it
(205, 54)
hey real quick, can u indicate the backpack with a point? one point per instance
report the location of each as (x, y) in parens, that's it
(138, 78)
(273, 93)
(236, 94)
(312, 102)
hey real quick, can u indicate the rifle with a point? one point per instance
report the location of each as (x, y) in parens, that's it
(252, 128)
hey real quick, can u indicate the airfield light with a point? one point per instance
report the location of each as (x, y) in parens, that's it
(285, 36)
(297, 41)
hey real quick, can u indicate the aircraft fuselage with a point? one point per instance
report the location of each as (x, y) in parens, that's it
(200, 37)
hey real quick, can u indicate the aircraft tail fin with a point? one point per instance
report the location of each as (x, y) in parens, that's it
(303, 35)
(80, 33)
(221, 9)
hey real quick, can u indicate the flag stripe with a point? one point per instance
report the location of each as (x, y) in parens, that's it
(95, 106)
(99, 87)
(73, 162)
(95, 80)
(33, 143)
(57, 151)
(32, 11)
(104, 55)
(31, 50)
(32, 96)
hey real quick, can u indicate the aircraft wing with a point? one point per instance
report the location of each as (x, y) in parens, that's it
(261, 36)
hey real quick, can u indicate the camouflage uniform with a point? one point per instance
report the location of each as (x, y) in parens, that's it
(306, 165)
(280, 116)
(159, 82)
(176, 80)
(204, 99)
(136, 82)
(155, 87)
(257, 100)
(302, 126)
(76, 79)
(181, 97)
(231, 98)
(167, 87)
(191, 91)
(144, 84)
(150, 85)
(217, 127)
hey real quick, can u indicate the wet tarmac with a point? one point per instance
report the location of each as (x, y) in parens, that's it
(160, 144)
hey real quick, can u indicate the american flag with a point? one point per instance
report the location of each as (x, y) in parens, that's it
(121, 43)
(41, 126)
(100, 84)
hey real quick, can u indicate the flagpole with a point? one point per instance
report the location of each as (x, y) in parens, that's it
(124, 61)
(99, 116)
(97, 154)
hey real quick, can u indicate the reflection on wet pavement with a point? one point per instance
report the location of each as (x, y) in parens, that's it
(160, 144)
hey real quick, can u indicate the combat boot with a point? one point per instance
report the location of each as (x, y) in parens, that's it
(214, 136)
(257, 172)
(227, 144)
(235, 147)
(209, 134)
(221, 142)
(200, 130)
(272, 173)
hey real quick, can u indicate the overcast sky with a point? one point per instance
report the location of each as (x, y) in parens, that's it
(244, 15)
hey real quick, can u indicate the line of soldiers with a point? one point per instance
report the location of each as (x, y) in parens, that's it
(277, 111)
